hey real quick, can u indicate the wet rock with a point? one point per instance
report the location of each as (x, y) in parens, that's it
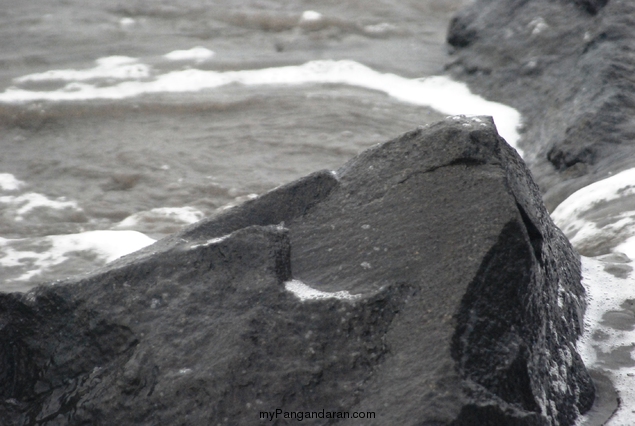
(567, 67)
(591, 6)
(424, 282)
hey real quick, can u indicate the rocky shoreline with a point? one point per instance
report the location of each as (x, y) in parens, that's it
(567, 66)
(447, 296)
(424, 281)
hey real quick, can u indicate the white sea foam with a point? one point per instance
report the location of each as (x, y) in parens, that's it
(602, 210)
(198, 54)
(605, 212)
(382, 28)
(604, 190)
(127, 22)
(25, 203)
(304, 292)
(211, 241)
(113, 67)
(106, 245)
(605, 294)
(310, 15)
(440, 93)
(8, 182)
(537, 25)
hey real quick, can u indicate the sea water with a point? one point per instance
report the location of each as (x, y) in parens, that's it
(122, 78)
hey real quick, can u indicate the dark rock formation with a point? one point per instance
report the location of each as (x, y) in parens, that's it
(568, 67)
(466, 311)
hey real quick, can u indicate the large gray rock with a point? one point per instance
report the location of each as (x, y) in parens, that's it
(466, 305)
(567, 66)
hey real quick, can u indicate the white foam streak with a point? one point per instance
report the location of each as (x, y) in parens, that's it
(310, 16)
(198, 54)
(382, 28)
(25, 203)
(211, 241)
(579, 218)
(8, 182)
(304, 292)
(604, 190)
(628, 246)
(440, 93)
(127, 22)
(116, 67)
(106, 245)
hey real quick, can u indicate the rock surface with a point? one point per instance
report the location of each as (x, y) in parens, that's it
(567, 66)
(448, 298)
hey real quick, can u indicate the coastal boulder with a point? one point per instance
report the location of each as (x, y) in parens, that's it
(422, 283)
(567, 67)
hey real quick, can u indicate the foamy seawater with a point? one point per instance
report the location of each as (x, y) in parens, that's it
(609, 336)
(28, 258)
(599, 221)
(27, 261)
(305, 292)
(600, 218)
(122, 77)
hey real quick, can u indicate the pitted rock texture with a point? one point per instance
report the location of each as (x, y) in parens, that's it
(467, 305)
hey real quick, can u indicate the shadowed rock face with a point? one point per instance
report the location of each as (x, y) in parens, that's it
(567, 66)
(467, 305)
